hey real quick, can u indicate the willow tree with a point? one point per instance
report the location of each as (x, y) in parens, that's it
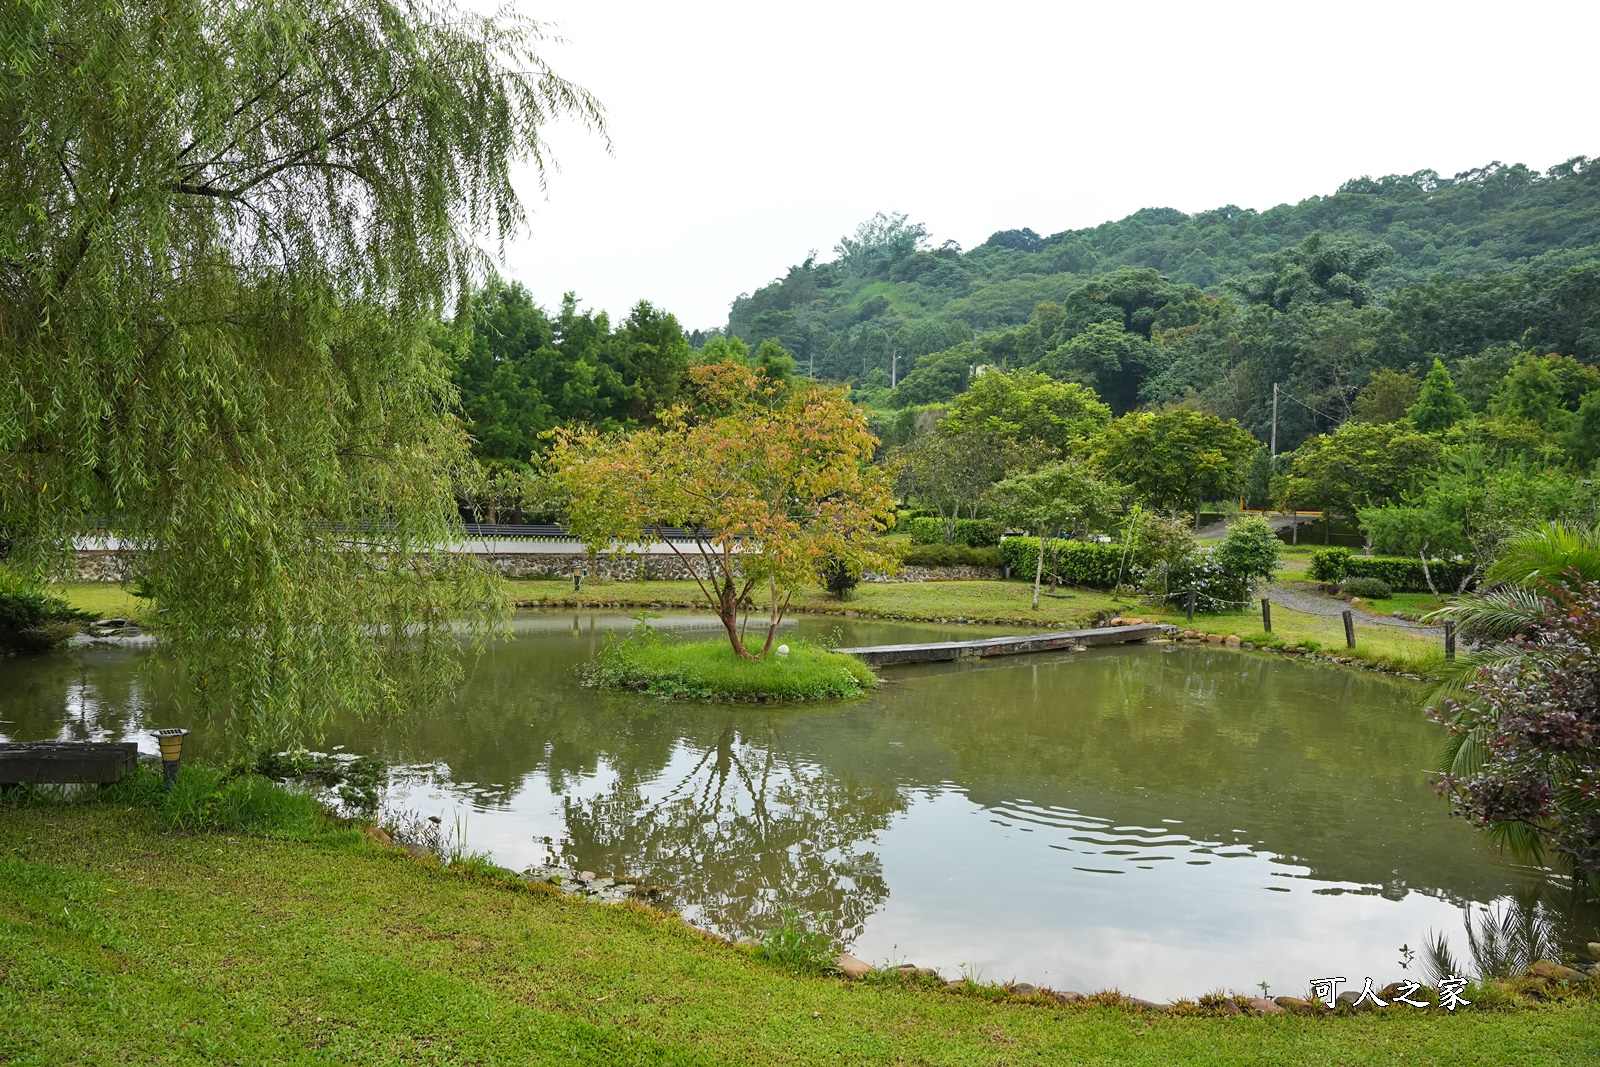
(769, 482)
(224, 232)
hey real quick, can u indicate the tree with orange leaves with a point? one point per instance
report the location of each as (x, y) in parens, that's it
(768, 479)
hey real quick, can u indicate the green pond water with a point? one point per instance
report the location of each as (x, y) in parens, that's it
(1165, 820)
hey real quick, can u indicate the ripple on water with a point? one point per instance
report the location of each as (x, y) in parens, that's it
(1132, 846)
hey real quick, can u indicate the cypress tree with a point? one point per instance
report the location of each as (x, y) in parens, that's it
(1438, 407)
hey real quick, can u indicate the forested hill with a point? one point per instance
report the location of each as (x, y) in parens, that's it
(1162, 305)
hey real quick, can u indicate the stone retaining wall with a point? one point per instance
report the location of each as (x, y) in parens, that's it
(626, 567)
(102, 565)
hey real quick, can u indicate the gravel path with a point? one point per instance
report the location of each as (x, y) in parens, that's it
(1331, 607)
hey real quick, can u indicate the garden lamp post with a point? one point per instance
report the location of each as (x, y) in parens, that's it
(171, 741)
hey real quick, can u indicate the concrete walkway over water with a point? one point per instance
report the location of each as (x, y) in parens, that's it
(940, 651)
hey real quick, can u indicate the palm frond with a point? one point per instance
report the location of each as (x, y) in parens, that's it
(1437, 960)
(1509, 935)
(1549, 554)
(1521, 839)
(1496, 615)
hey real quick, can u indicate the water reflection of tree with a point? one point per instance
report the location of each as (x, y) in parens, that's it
(85, 696)
(1505, 937)
(747, 830)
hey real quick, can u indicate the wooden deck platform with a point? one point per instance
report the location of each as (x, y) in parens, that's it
(885, 655)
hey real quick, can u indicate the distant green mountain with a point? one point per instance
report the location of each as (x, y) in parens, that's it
(1216, 306)
(1491, 219)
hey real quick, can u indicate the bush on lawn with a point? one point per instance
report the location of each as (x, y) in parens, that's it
(32, 620)
(1367, 588)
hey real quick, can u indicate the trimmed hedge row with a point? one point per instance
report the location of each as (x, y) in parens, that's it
(978, 533)
(926, 531)
(974, 533)
(1087, 563)
(951, 556)
(1402, 573)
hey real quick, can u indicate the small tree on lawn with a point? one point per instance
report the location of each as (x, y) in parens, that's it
(1177, 459)
(1250, 551)
(949, 470)
(1061, 497)
(770, 481)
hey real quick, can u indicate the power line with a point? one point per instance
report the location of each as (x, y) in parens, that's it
(1308, 407)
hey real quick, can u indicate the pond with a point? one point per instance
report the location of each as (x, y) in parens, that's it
(1165, 820)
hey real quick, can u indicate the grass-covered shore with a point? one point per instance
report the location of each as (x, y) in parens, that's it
(1009, 603)
(1000, 602)
(106, 600)
(124, 942)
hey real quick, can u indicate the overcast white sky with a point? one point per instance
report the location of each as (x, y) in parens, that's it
(746, 134)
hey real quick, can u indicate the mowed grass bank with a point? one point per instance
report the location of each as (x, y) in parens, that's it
(121, 943)
(1388, 647)
(1010, 603)
(106, 600)
(1001, 602)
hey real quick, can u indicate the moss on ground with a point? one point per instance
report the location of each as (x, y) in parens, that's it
(123, 943)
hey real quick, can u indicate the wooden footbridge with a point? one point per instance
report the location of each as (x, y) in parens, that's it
(940, 651)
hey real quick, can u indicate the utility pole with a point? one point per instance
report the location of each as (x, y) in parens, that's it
(1274, 420)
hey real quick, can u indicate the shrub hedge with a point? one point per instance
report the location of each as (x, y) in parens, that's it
(974, 533)
(1401, 572)
(978, 533)
(32, 620)
(952, 556)
(1086, 563)
(1367, 588)
(1328, 564)
(926, 531)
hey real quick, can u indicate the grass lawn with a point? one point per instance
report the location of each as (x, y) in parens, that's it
(1006, 602)
(981, 601)
(120, 943)
(710, 670)
(1405, 603)
(1384, 646)
(105, 600)
(1009, 603)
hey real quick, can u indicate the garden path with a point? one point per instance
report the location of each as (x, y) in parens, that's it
(1295, 595)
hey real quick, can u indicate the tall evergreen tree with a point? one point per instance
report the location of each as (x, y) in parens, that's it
(1438, 407)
